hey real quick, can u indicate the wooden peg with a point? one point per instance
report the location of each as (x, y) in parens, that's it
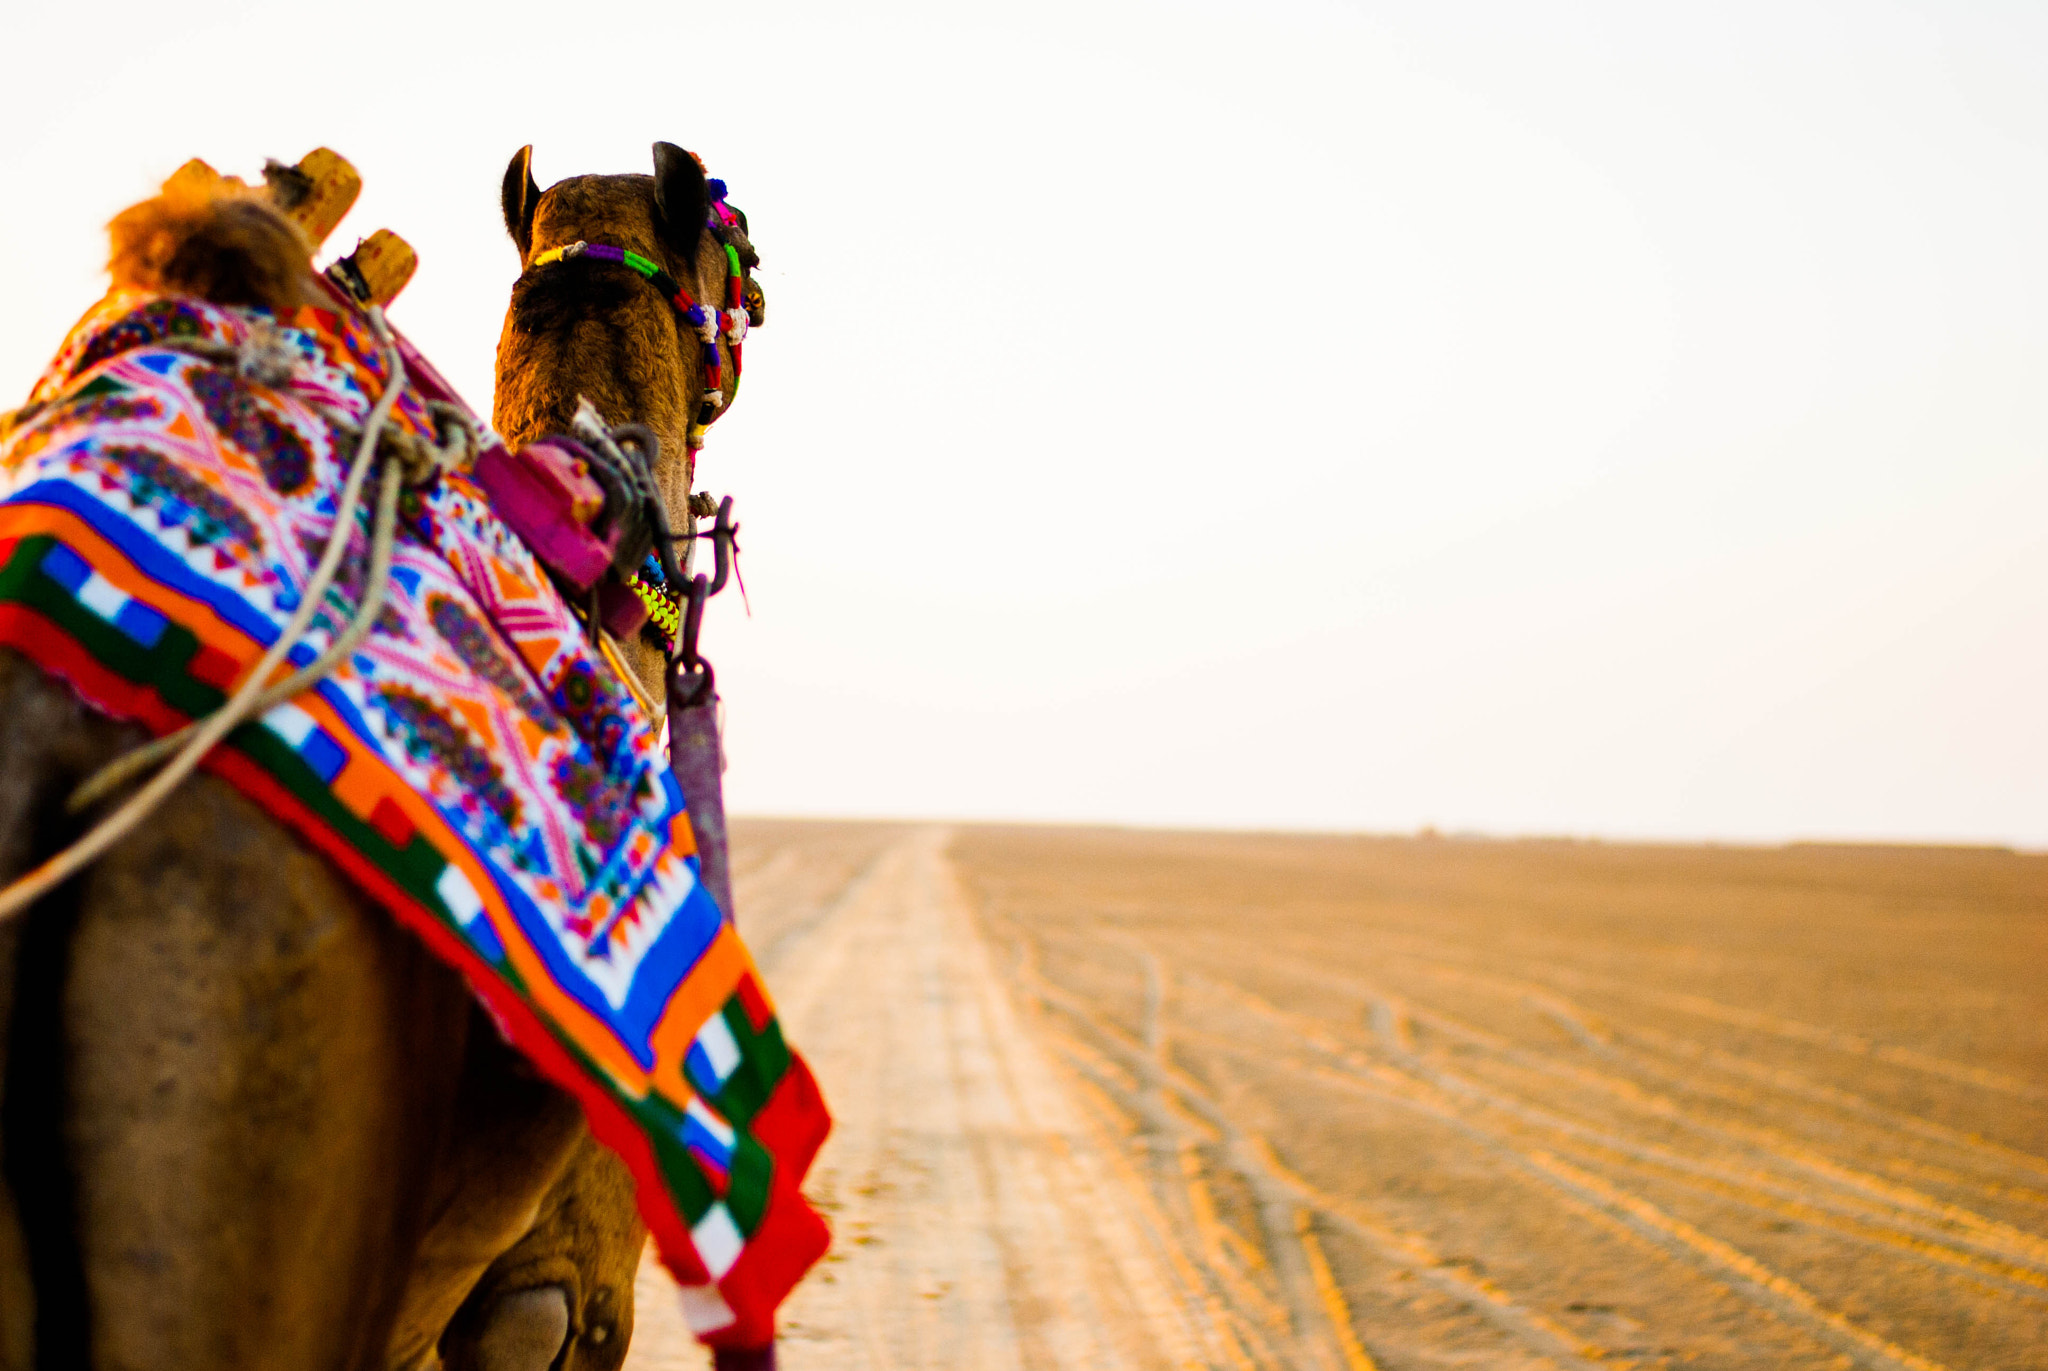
(381, 265)
(316, 193)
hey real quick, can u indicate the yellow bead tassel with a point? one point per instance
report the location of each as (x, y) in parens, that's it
(666, 614)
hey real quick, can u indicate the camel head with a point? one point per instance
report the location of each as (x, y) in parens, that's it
(582, 324)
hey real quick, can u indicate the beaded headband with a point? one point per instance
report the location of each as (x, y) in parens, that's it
(709, 323)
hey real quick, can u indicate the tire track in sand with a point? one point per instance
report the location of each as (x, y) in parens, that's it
(977, 1223)
(1931, 1228)
(1302, 1206)
(1411, 1083)
(1604, 1036)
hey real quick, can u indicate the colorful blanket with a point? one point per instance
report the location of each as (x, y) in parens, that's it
(475, 766)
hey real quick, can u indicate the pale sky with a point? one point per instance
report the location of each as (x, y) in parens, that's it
(1575, 418)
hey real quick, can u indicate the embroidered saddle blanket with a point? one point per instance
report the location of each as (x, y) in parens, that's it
(475, 766)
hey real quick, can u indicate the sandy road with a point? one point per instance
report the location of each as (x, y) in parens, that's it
(984, 1217)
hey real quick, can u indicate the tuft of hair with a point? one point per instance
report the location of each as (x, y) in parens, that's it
(213, 238)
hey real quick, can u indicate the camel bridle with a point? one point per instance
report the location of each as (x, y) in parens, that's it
(744, 307)
(674, 598)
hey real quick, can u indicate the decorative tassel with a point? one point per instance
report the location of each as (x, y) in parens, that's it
(662, 612)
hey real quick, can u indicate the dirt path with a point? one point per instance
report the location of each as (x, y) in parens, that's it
(985, 1217)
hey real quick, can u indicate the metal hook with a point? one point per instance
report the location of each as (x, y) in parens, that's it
(692, 674)
(694, 594)
(725, 546)
(725, 550)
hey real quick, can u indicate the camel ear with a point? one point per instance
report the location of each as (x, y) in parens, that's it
(682, 197)
(520, 197)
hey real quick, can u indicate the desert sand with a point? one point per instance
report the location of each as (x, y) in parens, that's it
(1133, 1099)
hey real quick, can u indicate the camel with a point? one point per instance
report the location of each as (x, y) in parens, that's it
(592, 329)
(246, 1120)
